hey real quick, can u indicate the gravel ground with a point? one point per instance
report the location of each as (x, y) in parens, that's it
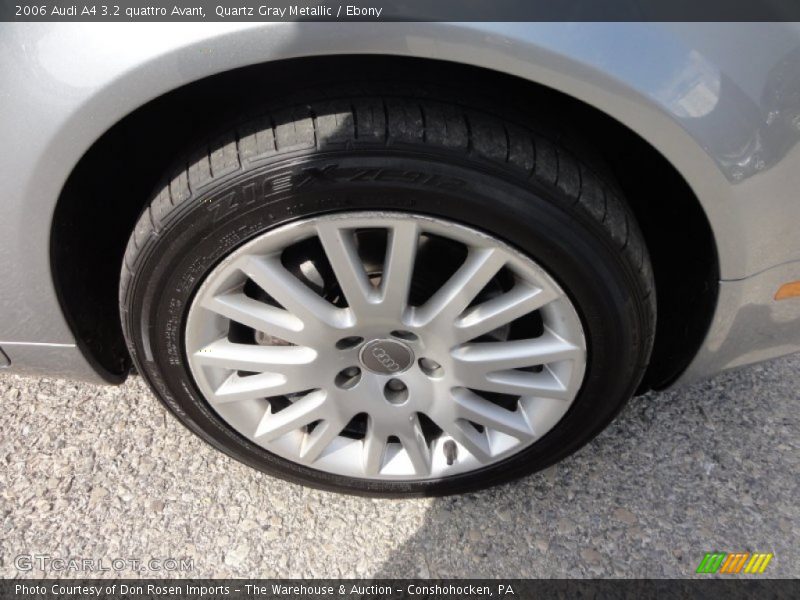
(104, 472)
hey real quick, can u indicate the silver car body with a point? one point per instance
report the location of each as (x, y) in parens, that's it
(701, 94)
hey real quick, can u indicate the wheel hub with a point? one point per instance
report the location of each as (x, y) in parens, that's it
(386, 357)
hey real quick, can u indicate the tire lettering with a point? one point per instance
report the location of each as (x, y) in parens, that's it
(261, 189)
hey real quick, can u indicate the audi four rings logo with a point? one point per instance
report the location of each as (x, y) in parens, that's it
(383, 357)
(386, 356)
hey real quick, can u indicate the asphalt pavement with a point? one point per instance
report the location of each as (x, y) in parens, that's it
(105, 473)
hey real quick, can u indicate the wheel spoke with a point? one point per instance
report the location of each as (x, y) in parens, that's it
(401, 252)
(302, 412)
(520, 383)
(263, 385)
(316, 442)
(521, 300)
(374, 449)
(473, 408)
(258, 315)
(489, 357)
(340, 247)
(480, 266)
(415, 446)
(287, 360)
(290, 292)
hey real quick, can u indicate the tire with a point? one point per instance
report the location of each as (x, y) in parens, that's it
(393, 152)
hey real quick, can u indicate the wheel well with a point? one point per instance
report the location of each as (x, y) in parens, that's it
(114, 180)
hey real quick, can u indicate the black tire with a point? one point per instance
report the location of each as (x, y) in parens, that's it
(372, 151)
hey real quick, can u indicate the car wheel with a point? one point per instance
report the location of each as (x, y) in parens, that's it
(388, 294)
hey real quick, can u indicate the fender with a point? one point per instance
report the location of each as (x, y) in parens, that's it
(80, 80)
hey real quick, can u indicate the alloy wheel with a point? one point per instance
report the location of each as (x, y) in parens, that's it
(386, 346)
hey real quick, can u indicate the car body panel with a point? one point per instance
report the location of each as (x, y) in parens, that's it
(747, 329)
(720, 101)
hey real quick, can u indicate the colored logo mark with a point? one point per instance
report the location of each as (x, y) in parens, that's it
(741, 562)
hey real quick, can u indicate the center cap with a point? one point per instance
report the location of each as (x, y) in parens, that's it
(386, 357)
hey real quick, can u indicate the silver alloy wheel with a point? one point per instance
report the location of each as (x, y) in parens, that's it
(318, 352)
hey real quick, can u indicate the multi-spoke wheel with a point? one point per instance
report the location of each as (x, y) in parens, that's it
(342, 302)
(388, 346)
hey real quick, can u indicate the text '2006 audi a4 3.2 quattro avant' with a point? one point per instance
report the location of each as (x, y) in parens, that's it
(403, 259)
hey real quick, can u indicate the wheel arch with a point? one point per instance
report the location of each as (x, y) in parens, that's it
(95, 215)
